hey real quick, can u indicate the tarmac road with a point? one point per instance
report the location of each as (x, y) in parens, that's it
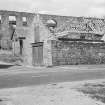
(27, 79)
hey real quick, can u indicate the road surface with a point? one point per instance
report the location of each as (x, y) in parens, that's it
(27, 79)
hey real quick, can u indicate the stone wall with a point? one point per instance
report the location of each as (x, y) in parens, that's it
(74, 53)
(5, 28)
(63, 23)
(70, 23)
(60, 52)
(88, 36)
(47, 53)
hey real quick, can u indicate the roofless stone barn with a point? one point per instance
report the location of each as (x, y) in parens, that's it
(41, 39)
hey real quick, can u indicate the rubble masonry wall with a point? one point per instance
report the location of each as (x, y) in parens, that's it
(74, 53)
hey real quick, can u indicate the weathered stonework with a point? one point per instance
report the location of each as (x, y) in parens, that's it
(74, 53)
(47, 53)
(55, 52)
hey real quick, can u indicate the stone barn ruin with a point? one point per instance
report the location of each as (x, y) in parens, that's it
(51, 40)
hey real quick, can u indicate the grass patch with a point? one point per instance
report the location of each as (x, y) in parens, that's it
(94, 90)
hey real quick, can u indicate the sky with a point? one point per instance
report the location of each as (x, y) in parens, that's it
(92, 8)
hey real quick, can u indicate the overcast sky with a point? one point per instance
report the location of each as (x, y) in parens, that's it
(60, 7)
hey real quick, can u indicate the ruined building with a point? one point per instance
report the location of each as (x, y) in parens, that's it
(41, 39)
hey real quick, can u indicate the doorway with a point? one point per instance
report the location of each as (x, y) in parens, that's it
(37, 50)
